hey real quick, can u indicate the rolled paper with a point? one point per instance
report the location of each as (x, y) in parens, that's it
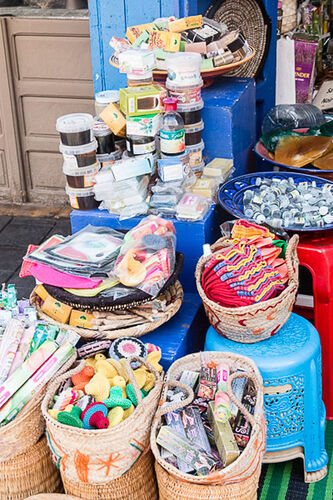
(23, 349)
(36, 382)
(9, 345)
(26, 370)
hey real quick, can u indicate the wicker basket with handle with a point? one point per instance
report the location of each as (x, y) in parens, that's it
(99, 456)
(249, 324)
(239, 479)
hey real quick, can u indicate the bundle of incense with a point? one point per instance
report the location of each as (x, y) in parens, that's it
(207, 382)
(224, 439)
(173, 420)
(36, 382)
(9, 345)
(23, 349)
(222, 402)
(193, 427)
(26, 370)
(182, 448)
(242, 427)
(238, 386)
(188, 378)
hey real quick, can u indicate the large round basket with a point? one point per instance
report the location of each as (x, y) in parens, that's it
(139, 483)
(99, 456)
(240, 478)
(249, 324)
(29, 473)
(25, 430)
(115, 324)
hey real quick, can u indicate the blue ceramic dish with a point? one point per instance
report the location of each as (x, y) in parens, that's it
(230, 195)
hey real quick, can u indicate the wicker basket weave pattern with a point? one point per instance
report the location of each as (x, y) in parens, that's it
(101, 455)
(108, 331)
(249, 324)
(239, 479)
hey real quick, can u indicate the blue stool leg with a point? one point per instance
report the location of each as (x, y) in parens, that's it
(315, 456)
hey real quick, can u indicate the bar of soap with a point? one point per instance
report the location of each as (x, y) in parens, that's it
(218, 167)
(160, 53)
(199, 47)
(207, 63)
(205, 187)
(114, 119)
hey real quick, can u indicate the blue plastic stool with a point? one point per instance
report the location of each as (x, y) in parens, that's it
(290, 365)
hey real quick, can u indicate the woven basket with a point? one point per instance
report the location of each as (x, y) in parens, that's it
(249, 324)
(100, 455)
(237, 481)
(139, 483)
(52, 496)
(289, 19)
(29, 473)
(25, 430)
(174, 297)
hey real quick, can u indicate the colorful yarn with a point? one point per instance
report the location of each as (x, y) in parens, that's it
(126, 347)
(116, 399)
(94, 416)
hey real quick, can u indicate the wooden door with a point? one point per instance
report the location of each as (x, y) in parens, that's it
(51, 76)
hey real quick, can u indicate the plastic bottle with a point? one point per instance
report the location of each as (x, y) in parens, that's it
(172, 133)
(292, 116)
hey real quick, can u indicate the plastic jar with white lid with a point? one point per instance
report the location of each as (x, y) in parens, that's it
(111, 158)
(82, 199)
(79, 156)
(134, 80)
(104, 98)
(184, 69)
(191, 113)
(104, 137)
(193, 134)
(195, 153)
(185, 95)
(81, 178)
(75, 129)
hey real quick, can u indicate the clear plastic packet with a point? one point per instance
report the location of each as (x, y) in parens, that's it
(134, 210)
(119, 44)
(192, 207)
(168, 187)
(147, 256)
(164, 199)
(226, 229)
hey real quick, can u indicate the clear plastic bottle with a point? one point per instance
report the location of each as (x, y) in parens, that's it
(292, 116)
(172, 133)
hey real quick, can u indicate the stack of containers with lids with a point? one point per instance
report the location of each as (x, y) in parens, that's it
(184, 82)
(109, 146)
(78, 147)
(140, 102)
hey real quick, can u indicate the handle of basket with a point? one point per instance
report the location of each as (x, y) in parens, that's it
(235, 400)
(177, 405)
(54, 384)
(291, 256)
(131, 374)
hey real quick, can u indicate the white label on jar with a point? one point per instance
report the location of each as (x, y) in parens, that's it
(195, 158)
(73, 201)
(171, 172)
(172, 142)
(89, 179)
(141, 149)
(70, 161)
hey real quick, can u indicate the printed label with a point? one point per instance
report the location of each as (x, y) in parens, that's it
(89, 180)
(141, 149)
(131, 105)
(73, 201)
(70, 161)
(195, 158)
(172, 142)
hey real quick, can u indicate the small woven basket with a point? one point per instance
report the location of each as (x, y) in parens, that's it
(99, 456)
(238, 480)
(25, 430)
(174, 296)
(139, 483)
(249, 324)
(30, 473)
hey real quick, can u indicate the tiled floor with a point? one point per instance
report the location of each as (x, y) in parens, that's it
(16, 233)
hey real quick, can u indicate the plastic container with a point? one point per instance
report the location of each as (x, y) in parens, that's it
(197, 169)
(127, 155)
(134, 80)
(193, 134)
(104, 138)
(79, 156)
(292, 116)
(75, 129)
(184, 69)
(186, 95)
(81, 178)
(103, 99)
(140, 145)
(195, 154)
(191, 113)
(82, 199)
(111, 158)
